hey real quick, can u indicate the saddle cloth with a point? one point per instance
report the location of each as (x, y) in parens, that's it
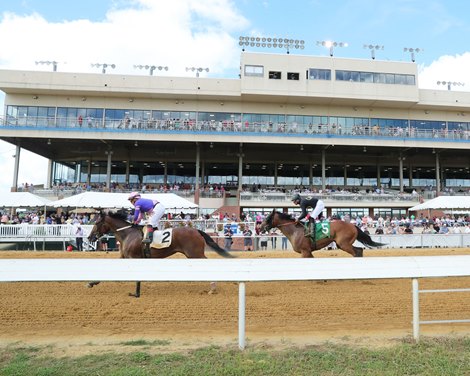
(322, 230)
(162, 239)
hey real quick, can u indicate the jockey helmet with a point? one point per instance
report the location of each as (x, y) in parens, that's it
(296, 197)
(133, 195)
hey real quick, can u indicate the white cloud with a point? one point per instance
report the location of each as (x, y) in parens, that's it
(446, 68)
(173, 33)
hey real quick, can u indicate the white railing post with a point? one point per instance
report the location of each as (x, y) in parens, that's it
(415, 289)
(241, 315)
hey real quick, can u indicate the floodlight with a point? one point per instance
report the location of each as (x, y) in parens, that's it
(268, 42)
(412, 52)
(331, 45)
(104, 66)
(373, 48)
(54, 64)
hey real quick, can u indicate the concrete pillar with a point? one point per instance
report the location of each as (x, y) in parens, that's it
(438, 175)
(240, 167)
(108, 170)
(49, 174)
(16, 169)
(197, 185)
(128, 169)
(400, 171)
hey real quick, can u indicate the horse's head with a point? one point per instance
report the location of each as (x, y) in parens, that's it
(100, 227)
(275, 219)
(268, 224)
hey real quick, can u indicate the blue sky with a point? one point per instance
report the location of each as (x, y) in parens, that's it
(204, 33)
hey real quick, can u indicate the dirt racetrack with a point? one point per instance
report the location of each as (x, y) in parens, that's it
(277, 313)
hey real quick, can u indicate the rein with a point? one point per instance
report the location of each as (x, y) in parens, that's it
(285, 224)
(123, 228)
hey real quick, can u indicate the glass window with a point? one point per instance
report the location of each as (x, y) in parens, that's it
(254, 70)
(379, 78)
(389, 78)
(275, 75)
(366, 77)
(292, 76)
(319, 74)
(410, 79)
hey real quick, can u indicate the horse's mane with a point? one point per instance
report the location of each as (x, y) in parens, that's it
(284, 216)
(120, 214)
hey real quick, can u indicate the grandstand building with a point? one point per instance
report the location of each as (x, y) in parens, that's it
(340, 128)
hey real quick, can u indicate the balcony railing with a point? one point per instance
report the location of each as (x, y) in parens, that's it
(231, 127)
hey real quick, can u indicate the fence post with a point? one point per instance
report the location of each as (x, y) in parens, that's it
(415, 289)
(241, 315)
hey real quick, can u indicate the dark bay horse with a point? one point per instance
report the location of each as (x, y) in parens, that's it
(186, 240)
(343, 233)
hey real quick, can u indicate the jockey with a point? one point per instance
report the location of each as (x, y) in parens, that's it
(304, 203)
(154, 209)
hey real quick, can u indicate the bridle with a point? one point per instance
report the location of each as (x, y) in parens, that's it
(269, 223)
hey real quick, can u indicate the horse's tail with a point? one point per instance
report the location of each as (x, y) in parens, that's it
(211, 243)
(366, 239)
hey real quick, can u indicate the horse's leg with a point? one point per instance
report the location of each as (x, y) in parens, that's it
(213, 288)
(137, 290)
(346, 247)
(306, 253)
(359, 251)
(92, 283)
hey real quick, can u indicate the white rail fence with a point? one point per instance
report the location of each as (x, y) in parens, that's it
(67, 233)
(242, 271)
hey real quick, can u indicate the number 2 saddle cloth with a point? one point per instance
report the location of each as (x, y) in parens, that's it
(162, 239)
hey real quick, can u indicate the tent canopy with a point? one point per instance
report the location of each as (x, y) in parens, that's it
(22, 200)
(101, 200)
(444, 203)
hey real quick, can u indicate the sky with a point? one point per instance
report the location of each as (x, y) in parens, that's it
(205, 33)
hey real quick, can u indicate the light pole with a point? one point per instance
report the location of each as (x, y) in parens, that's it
(450, 84)
(412, 52)
(151, 68)
(104, 66)
(372, 49)
(54, 64)
(268, 42)
(197, 70)
(330, 44)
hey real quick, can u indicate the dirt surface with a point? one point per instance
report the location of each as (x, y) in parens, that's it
(178, 316)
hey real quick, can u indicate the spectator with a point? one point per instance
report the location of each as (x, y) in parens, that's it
(247, 240)
(228, 233)
(79, 238)
(264, 241)
(408, 229)
(284, 242)
(274, 235)
(104, 243)
(444, 229)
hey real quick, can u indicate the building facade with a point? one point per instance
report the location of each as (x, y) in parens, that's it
(287, 122)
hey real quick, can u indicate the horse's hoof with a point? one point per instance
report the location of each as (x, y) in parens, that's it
(89, 285)
(134, 295)
(212, 292)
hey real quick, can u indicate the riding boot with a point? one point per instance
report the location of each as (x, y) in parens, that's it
(310, 229)
(147, 234)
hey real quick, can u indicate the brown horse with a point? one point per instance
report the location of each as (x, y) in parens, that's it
(343, 233)
(186, 240)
